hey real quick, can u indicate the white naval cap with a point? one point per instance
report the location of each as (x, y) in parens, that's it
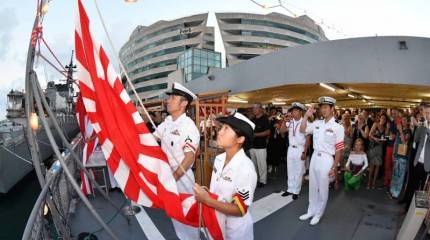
(327, 100)
(298, 106)
(180, 90)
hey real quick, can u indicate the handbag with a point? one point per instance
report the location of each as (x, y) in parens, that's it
(402, 149)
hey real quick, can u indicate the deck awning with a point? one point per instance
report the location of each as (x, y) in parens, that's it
(377, 71)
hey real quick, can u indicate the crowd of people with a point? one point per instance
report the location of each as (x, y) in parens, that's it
(351, 146)
(378, 144)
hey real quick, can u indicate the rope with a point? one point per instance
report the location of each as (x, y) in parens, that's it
(47, 144)
(51, 64)
(52, 53)
(140, 100)
(16, 155)
(135, 93)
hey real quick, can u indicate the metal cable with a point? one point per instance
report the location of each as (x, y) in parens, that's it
(75, 185)
(72, 152)
(140, 100)
(16, 155)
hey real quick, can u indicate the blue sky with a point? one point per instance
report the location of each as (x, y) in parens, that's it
(352, 18)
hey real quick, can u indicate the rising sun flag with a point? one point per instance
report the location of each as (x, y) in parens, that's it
(133, 155)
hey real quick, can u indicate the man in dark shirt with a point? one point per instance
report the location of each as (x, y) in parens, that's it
(258, 151)
(367, 119)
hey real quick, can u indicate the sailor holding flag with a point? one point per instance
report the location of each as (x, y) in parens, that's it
(234, 178)
(180, 140)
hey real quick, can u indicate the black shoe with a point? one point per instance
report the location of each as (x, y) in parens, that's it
(260, 185)
(285, 194)
(295, 196)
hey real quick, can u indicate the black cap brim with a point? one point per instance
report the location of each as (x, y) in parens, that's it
(240, 125)
(177, 92)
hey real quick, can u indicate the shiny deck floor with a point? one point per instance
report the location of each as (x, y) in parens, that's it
(363, 214)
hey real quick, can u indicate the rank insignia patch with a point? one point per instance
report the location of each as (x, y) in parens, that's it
(243, 194)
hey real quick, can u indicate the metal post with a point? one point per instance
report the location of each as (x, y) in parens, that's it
(36, 207)
(29, 108)
(72, 152)
(63, 164)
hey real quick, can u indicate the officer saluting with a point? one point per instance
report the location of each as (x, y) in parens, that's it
(180, 140)
(297, 150)
(327, 142)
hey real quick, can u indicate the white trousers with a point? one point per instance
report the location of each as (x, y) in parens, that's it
(259, 157)
(295, 169)
(319, 180)
(183, 231)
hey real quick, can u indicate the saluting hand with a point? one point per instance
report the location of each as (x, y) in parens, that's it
(311, 110)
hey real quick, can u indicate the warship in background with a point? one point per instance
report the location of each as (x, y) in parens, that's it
(15, 157)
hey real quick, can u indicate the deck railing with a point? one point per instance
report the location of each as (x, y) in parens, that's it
(44, 221)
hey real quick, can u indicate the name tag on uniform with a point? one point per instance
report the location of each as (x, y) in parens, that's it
(227, 178)
(329, 132)
(175, 132)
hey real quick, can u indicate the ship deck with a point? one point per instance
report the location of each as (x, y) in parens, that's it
(362, 214)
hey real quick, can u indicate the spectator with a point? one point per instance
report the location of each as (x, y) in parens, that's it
(259, 149)
(392, 132)
(377, 138)
(400, 155)
(421, 157)
(355, 166)
(361, 130)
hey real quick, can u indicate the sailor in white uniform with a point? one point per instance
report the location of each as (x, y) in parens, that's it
(328, 146)
(297, 150)
(180, 140)
(233, 177)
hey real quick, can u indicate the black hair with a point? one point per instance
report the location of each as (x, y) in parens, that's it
(188, 101)
(247, 144)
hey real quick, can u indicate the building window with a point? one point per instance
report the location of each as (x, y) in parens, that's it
(281, 26)
(155, 54)
(152, 87)
(152, 66)
(274, 35)
(196, 62)
(151, 77)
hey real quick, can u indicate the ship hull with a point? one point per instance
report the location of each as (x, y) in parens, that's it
(13, 168)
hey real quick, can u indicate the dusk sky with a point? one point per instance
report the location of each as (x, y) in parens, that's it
(339, 19)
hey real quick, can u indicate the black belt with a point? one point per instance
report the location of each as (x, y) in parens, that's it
(319, 154)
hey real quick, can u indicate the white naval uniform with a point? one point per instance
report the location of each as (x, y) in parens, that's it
(180, 136)
(237, 177)
(295, 165)
(327, 138)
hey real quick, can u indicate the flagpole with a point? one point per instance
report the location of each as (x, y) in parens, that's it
(135, 93)
(146, 112)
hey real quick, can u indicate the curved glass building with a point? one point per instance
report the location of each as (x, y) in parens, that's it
(247, 35)
(151, 52)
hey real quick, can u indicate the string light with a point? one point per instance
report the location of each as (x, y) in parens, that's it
(45, 7)
(319, 20)
(34, 122)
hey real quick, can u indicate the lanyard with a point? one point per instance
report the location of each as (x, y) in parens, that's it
(295, 128)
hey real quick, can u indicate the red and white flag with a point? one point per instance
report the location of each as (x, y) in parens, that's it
(91, 141)
(133, 155)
